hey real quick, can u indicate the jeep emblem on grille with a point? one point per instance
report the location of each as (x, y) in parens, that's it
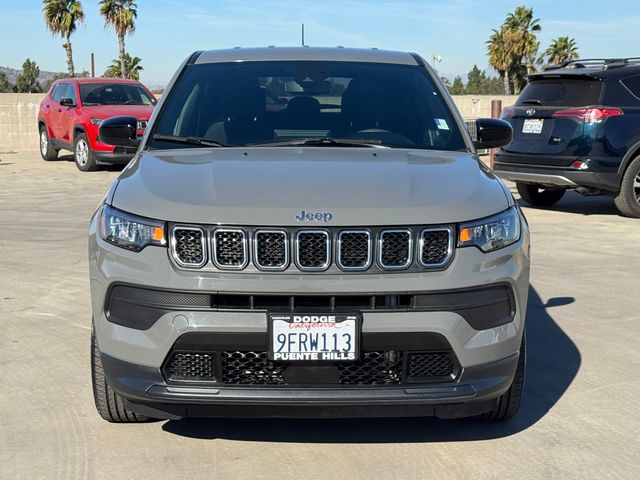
(305, 216)
(531, 111)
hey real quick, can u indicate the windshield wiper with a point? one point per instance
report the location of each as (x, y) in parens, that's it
(188, 140)
(325, 141)
(533, 101)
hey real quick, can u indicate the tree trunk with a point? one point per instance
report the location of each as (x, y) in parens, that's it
(123, 60)
(67, 47)
(507, 83)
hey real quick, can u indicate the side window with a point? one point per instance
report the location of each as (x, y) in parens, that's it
(71, 93)
(58, 92)
(633, 85)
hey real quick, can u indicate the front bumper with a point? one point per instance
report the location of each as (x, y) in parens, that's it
(134, 357)
(146, 392)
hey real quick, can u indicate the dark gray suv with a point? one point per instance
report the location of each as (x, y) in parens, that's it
(307, 232)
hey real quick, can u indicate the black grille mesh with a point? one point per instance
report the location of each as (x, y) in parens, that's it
(250, 368)
(312, 249)
(435, 246)
(254, 368)
(395, 249)
(188, 246)
(430, 365)
(271, 249)
(193, 367)
(230, 248)
(374, 368)
(354, 249)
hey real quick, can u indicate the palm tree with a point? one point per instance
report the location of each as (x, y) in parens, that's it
(62, 18)
(523, 41)
(121, 15)
(133, 68)
(562, 49)
(500, 58)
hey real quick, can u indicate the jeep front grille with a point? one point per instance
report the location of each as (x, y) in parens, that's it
(271, 249)
(354, 250)
(395, 249)
(313, 249)
(188, 246)
(229, 248)
(291, 250)
(436, 245)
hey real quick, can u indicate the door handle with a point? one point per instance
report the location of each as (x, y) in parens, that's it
(60, 110)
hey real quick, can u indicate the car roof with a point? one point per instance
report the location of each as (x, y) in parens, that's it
(340, 54)
(599, 68)
(97, 80)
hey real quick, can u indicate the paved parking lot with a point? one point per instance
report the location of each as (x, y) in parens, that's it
(580, 417)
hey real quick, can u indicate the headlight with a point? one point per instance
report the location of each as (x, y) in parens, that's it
(491, 233)
(129, 231)
(96, 121)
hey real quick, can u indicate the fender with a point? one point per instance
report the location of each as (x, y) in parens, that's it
(632, 152)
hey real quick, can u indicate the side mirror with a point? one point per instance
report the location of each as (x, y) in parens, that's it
(492, 133)
(67, 102)
(119, 131)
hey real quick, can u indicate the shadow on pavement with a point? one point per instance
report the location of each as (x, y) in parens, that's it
(573, 202)
(553, 362)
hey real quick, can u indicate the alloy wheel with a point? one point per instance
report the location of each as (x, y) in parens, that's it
(44, 142)
(82, 152)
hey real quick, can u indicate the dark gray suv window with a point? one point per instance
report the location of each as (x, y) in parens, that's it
(239, 104)
(561, 92)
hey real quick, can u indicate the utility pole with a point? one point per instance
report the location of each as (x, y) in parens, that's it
(435, 59)
(93, 66)
(303, 34)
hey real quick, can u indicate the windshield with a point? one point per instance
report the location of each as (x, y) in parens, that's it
(114, 94)
(285, 102)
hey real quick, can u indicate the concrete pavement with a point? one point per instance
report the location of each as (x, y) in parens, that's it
(580, 417)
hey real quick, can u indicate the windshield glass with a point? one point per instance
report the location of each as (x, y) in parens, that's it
(114, 94)
(251, 103)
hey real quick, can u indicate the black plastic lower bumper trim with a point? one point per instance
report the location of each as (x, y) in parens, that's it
(474, 392)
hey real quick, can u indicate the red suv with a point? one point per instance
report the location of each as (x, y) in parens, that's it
(73, 110)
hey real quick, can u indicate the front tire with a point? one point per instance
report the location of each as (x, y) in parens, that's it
(109, 404)
(508, 403)
(83, 155)
(628, 199)
(47, 152)
(539, 196)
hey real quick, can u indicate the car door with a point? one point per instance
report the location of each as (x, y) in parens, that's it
(54, 110)
(68, 114)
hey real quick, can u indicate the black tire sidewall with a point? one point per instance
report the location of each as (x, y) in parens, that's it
(51, 153)
(626, 201)
(546, 198)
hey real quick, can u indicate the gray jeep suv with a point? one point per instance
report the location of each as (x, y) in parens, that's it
(307, 232)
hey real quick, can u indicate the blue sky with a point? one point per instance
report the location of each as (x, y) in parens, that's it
(169, 30)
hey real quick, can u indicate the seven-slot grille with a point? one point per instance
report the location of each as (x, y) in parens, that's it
(229, 248)
(313, 250)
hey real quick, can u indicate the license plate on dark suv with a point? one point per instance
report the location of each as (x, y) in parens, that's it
(314, 337)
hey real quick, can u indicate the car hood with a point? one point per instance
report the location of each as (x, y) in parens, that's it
(141, 112)
(272, 185)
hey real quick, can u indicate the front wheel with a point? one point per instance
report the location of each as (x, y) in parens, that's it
(47, 152)
(508, 403)
(109, 404)
(539, 196)
(628, 199)
(85, 161)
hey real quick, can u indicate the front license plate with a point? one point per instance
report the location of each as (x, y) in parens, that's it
(533, 125)
(314, 337)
